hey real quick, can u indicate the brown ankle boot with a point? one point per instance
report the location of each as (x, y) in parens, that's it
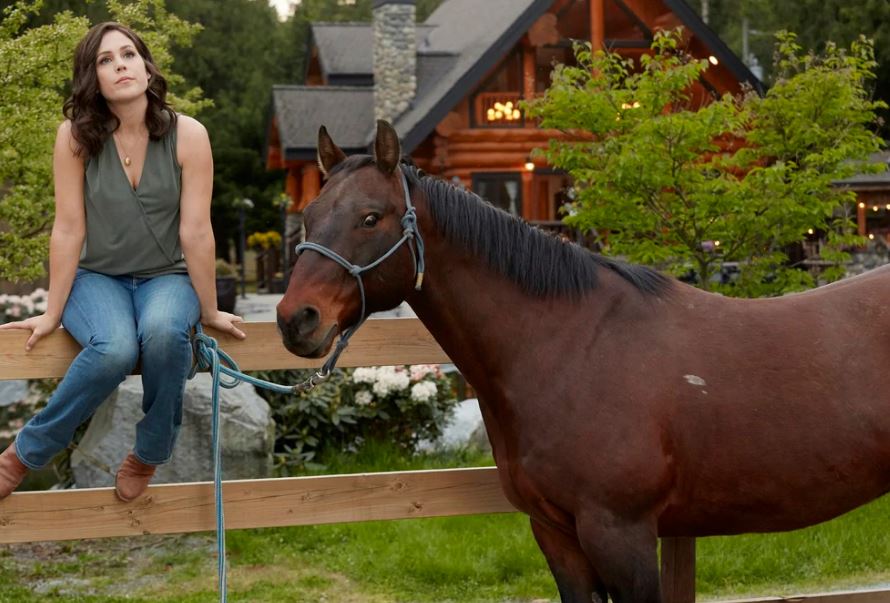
(132, 478)
(12, 471)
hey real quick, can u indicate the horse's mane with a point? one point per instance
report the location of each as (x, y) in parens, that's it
(543, 264)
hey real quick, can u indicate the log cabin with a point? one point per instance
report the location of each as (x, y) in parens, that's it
(451, 84)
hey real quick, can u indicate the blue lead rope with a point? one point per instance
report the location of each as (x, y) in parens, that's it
(209, 356)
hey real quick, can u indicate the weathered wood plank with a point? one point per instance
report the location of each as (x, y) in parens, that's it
(378, 342)
(858, 596)
(678, 570)
(178, 508)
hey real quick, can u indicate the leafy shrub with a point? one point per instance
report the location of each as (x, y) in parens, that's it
(225, 269)
(400, 404)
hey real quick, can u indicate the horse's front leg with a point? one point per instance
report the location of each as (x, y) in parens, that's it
(624, 553)
(575, 577)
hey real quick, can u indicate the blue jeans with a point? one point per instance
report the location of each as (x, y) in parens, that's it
(117, 320)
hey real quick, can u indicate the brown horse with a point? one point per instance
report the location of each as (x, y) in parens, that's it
(621, 405)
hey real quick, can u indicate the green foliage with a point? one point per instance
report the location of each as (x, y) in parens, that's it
(815, 21)
(35, 64)
(689, 188)
(239, 55)
(401, 405)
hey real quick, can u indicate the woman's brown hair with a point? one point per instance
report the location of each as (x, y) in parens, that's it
(91, 119)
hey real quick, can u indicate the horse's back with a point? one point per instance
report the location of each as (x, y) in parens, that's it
(767, 401)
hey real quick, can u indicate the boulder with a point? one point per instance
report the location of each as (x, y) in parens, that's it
(247, 436)
(465, 429)
(13, 392)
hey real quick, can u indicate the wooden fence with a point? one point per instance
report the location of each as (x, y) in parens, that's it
(260, 503)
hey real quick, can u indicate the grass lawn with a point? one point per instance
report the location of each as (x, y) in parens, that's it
(463, 559)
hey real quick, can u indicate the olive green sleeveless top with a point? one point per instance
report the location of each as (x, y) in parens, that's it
(133, 231)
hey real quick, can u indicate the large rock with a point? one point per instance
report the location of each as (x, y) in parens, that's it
(247, 436)
(465, 429)
(13, 392)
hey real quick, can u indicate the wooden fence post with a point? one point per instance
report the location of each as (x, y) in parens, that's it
(678, 570)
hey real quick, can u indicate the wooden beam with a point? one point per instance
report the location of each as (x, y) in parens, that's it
(854, 596)
(678, 570)
(311, 185)
(379, 342)
(597, 24)
(265, 503)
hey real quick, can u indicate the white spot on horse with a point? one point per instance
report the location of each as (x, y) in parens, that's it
(694, 380)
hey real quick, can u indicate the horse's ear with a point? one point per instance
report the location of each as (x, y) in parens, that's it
(329, 154)
(387, 150)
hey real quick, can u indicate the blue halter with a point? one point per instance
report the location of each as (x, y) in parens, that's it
(410, 232)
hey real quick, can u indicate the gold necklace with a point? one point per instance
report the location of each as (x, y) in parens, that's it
(127, 160)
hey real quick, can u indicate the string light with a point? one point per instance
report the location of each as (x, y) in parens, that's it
(874, 208)
(871, 237)
(713, 60)
(861, 204)
(809, 231)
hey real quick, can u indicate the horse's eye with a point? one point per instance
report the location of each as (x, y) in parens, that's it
(370, 220)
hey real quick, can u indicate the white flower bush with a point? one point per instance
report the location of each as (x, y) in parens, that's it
(20, 307)
(399, 404)
(363, 397)
(423, 391)
(417, 382)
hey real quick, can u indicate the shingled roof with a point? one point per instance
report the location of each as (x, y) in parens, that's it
(454, 52)
(347, 48)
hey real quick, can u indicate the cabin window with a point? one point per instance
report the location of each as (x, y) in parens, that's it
(495, 103)
(502, 190)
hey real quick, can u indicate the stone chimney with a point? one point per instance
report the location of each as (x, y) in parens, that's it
(395, 57)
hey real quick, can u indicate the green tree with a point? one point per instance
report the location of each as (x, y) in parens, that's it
(35, 64)
(736, 180)
(236, 59)
(815, 22)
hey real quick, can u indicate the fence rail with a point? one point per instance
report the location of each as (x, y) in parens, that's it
(180, 508)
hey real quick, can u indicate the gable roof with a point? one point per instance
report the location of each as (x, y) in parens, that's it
(346, 111)
(348, 48)
(454, 53)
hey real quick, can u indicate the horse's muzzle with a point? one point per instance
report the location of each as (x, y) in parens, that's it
(302, 335)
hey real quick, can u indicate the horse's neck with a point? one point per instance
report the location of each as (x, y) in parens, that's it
(490, 327)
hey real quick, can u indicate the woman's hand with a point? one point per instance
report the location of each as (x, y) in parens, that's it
(224, 322)
(39, 326)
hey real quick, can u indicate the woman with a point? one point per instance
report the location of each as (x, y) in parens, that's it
(131, 256)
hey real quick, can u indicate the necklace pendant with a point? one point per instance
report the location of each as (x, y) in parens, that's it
(127, 161)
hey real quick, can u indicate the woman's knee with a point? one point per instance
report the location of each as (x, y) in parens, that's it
(117, 355)
(164, 338)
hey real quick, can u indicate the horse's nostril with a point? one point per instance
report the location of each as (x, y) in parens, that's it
(306, 320)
